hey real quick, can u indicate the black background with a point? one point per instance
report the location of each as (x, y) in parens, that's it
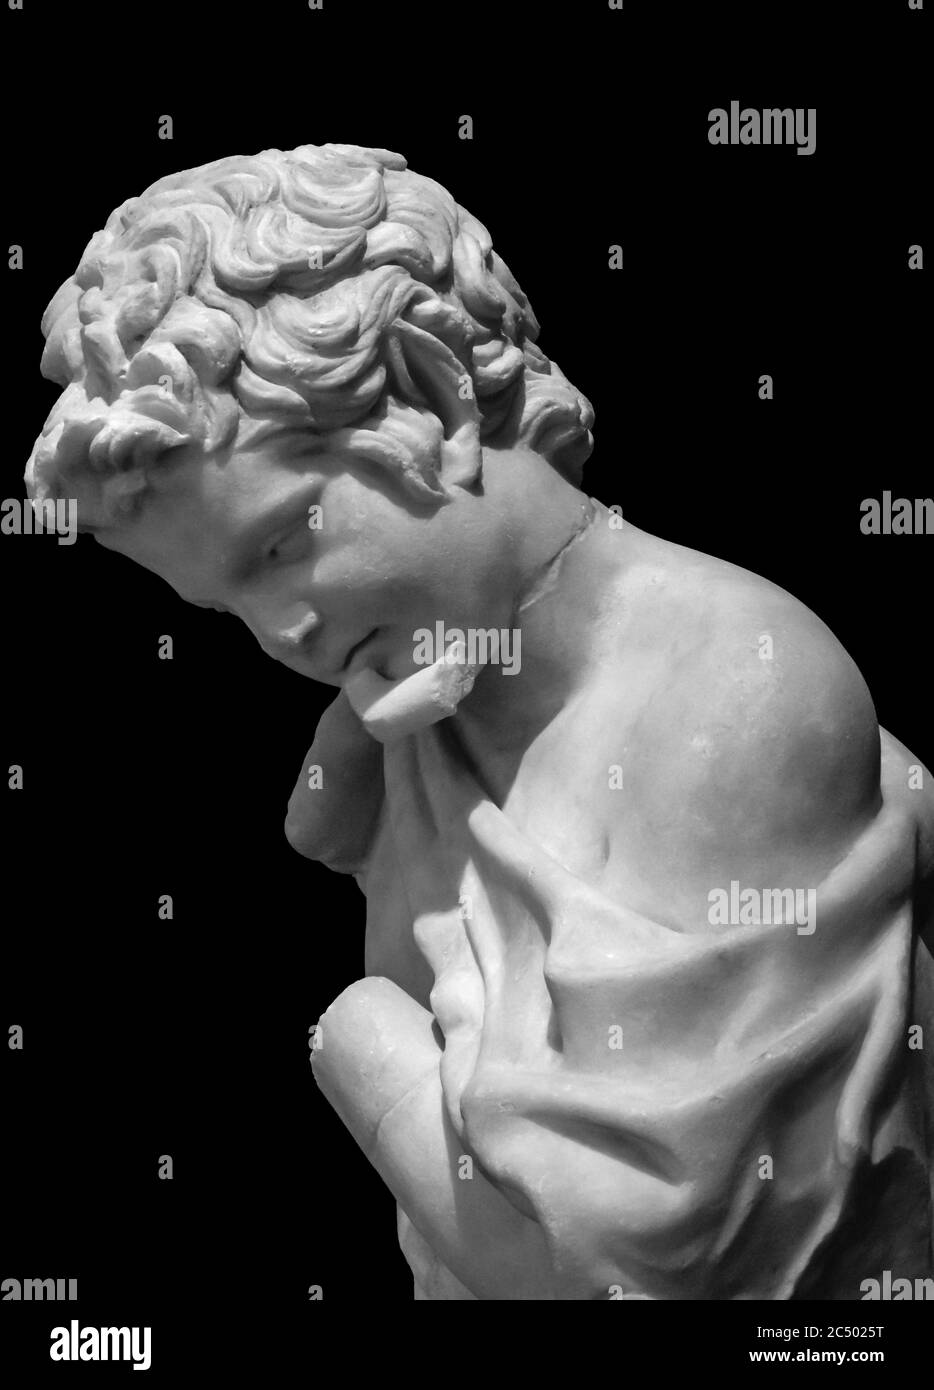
(145, 777)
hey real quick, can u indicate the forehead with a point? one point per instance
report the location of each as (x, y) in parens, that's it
(200, 511)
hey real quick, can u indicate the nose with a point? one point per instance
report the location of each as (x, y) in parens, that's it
(288, 641)
(288, 638)
(282, 635)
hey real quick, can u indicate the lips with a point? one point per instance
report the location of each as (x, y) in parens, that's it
(358, 648)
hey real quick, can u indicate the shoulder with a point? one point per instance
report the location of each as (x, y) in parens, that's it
(762, 727)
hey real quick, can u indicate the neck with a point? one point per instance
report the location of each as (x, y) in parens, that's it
(556, 625)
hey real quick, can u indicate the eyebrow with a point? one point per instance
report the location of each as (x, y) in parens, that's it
(281, 516)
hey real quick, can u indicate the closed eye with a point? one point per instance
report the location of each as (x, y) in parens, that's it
(291, 545)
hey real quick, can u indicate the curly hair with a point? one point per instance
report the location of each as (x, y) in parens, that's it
(326, 288)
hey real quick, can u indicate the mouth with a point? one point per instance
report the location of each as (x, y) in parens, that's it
(358, 648)
(390, 709)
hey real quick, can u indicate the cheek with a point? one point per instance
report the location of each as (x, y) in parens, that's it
(378, 560)
(389, 560)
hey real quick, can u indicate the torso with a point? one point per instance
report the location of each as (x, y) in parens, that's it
(636, 785)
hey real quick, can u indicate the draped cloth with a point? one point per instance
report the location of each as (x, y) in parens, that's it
(729, 1112)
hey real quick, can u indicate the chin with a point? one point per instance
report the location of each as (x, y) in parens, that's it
(301, 668)
(394, 668)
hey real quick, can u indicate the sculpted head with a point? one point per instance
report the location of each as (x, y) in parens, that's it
(283, 375)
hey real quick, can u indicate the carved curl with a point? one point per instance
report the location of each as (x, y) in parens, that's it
(325, 288)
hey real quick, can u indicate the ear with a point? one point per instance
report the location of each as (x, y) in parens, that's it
(429, 371)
